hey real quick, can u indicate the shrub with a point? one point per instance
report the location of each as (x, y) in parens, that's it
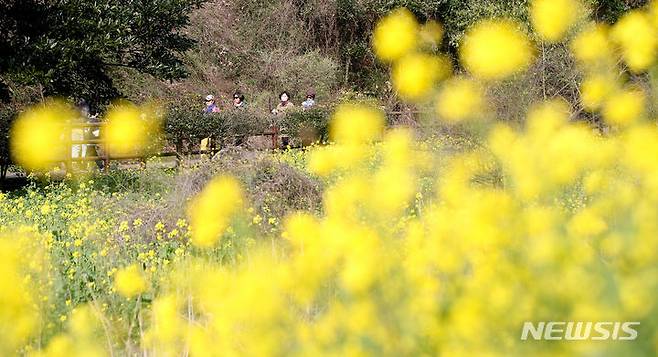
(183, 124)
(308, 125)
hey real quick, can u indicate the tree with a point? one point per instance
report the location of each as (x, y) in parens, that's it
(70, 47)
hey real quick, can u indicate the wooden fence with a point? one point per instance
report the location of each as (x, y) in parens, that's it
(104, 150)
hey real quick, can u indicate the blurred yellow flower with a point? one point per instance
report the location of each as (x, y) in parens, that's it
(38, 136)
(552, 19)
(459, 99)
(636, 36)
(167, 326)
(129, 281)
(19, 312)
(546, 117)
(495, 49)
(395, 35)
(594, 90)
(624, 107)
(394, 187)
(356, 124)
(321, 161)
(130, 130)
(414, 75)
(211, 210)
(586, 223)
(591, 46)
(301, 228)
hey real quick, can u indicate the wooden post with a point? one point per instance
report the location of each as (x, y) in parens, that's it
(275, 137)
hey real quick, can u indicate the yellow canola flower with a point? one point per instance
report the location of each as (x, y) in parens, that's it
(545, 118)
(82, 338)
(82, 321)
(552, 19)
(211, 210)
(395, 35)
(301, 229)
(414, 75)
(640, 149)
(19, 314)
(397, 148)
(624, 107)
(459, 99)
(167, 327)
(495, 49)
(637, 39)
(131, 130)
(130, 281)
(322, 161)
(326, 160)
(586, 223)
(38, 136)
(361, 266)
(394, 187)
(356, 124)
(594, 90)
(591, 46)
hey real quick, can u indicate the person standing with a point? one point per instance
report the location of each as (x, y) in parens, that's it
(284, 105)
(211, 108)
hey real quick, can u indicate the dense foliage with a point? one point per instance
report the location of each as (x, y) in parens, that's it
(187, 126)
(68, 48)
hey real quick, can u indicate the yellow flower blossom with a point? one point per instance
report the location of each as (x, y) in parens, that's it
(211, 210)
(356, 124)
(459, 99)
(591, 46)
(495, 49)
(414, 75)
(395, 35)
(624, 107)
(129, 281)
(130, 130)
(595, 90)
(636, 36)
(552, 19)
(38, 136)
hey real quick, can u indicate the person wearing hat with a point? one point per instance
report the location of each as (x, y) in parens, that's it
(310, 100)
(211, 107)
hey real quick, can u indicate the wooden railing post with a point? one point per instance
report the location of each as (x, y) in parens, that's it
(275, 137)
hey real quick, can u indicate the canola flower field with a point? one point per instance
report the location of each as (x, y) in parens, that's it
(413, 252)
